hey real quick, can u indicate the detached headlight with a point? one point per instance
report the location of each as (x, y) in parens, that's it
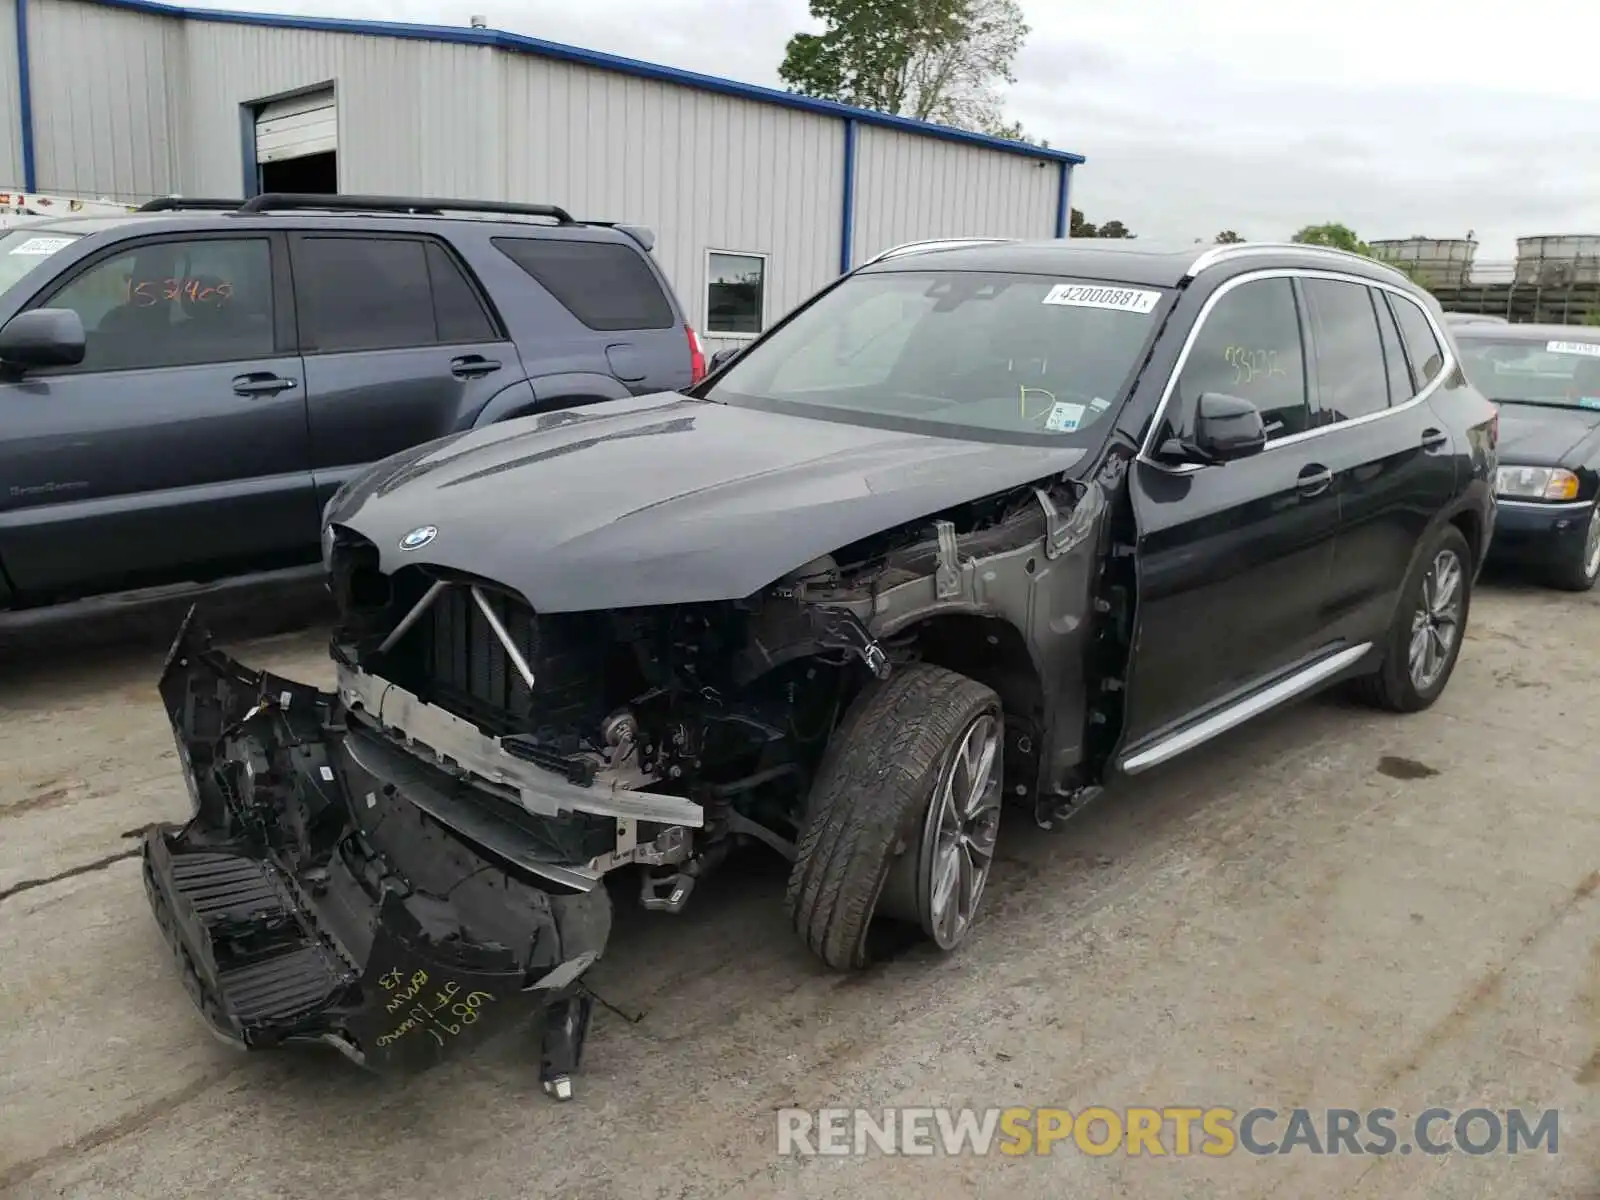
(1536, 483)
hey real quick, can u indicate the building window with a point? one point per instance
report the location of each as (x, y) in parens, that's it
(736, 294)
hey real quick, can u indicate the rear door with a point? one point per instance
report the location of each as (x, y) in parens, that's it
(1234, 559)
(399, 344)
(178, 447)
(1392, 458)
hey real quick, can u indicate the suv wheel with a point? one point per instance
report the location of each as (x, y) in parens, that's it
(1579, 570)
(1421, 649)
(902, 817)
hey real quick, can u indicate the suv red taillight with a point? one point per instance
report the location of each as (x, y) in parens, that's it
(697, 356)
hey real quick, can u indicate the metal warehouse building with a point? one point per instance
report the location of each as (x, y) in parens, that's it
(757, 196)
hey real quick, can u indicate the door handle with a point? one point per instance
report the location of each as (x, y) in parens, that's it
(262, 384)
(1313, 480)
(470, 366)
(1432, 438)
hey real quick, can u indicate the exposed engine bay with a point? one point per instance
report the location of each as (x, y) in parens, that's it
(727, 705)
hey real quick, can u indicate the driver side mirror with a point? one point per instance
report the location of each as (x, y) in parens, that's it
(722, 358)
(44, 337)
(1225, 428)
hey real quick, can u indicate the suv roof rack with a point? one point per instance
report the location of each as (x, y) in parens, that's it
(183, 203)
(413, 205)
(1218, 254)
(924, 247)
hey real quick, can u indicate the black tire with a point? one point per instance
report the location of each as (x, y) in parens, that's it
(1391, 686)
(1579, 570)
(870, 797)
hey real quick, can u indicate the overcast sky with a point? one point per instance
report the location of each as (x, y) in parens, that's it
(1399, 118)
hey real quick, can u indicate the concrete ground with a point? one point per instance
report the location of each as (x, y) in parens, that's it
(1334, 908)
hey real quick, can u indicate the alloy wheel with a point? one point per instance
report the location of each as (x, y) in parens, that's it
(958, 837)
(1436, 624)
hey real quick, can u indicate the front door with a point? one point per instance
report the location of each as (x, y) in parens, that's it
(1234, 559)
(399, 348)
(177, 449)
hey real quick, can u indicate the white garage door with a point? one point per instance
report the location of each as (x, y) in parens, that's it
(297, 127)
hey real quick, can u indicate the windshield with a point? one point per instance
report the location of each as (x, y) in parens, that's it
(21, 250)
(1561, 371)
(997, 357)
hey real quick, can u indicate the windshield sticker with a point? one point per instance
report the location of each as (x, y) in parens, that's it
(1064, 417)
(1099, 405)
(1591, 349)
(42, 245)
(1078, 295)
(1589, 402)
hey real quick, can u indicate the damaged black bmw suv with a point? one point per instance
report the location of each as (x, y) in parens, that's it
(978, 529)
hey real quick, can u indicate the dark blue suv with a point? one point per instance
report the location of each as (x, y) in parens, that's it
(184, 388)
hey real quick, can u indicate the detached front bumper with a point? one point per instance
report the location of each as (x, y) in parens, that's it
(312, 896)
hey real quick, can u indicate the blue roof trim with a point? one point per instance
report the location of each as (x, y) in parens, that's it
(521, 44)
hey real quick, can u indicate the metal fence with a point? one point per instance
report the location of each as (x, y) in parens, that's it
(1553, 290)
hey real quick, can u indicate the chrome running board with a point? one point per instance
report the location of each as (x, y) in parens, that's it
(1253, 705)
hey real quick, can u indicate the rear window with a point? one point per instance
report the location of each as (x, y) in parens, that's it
(21, 250)
(993, 356)
(1563, 371)
(605, 285)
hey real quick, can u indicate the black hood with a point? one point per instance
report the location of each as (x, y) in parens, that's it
(1536, 435)
(663, 499)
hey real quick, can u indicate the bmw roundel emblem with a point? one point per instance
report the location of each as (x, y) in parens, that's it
(419, 537)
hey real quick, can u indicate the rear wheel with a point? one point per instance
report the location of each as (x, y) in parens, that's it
(1422, 646)
(1579, 570)
(903, 816)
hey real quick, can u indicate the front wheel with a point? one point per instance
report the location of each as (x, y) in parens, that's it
(902, 817)
(1579, 570)
(1422, 646)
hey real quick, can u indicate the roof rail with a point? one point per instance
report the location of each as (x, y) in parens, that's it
(1220, 254)
(415, 205)
(184, 203)
(932, 244)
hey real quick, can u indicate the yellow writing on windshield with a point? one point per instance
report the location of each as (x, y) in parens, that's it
(1049, 400)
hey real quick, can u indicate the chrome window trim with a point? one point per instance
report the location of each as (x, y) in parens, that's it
(1146, 449)
(1545, 506)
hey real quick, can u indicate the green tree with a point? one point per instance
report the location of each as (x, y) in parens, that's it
(1339, 237)
(932, 60)
(1228, 238)
(1080, 228)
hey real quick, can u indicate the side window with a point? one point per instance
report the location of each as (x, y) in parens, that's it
(363, 293)
(458, 311)
(1394, 356)
(173, 304)
(606, 285)
(1250, 347)
(1351, 378)
(1422, 346)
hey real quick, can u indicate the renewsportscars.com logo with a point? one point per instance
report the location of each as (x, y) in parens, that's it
(1175, 1132)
